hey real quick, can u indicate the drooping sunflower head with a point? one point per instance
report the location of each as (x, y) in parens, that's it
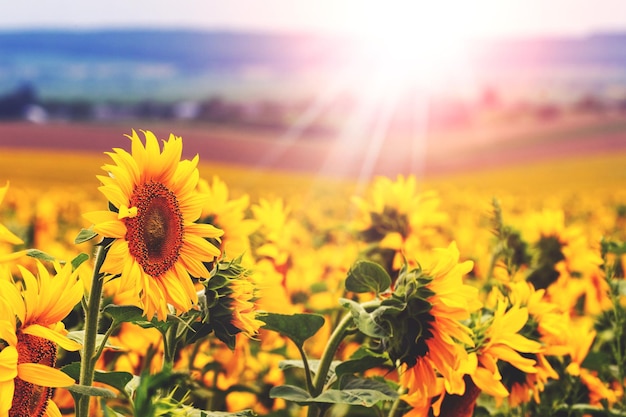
(157, 246)
(230, 306)
(424, 316)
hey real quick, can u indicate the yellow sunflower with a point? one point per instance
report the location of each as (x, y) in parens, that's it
(429, 340)
(400, 218)
(157, 246)
(502, 342)
(5, 234)
(228, 215)
(30, 330)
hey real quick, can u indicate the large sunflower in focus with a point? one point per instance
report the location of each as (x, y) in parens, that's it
(157, 245)
(30, 330)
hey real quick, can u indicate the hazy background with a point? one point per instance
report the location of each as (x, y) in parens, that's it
(421, 80)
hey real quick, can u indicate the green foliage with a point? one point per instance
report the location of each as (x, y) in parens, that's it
(85, 235)
(116, 379)
(352, 391)
(366, 276)
(297, 327)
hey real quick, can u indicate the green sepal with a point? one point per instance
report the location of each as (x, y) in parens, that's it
(369, 324)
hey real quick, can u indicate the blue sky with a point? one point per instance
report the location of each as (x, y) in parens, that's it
(471, 17)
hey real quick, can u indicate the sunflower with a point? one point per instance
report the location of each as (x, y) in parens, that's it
(30, 330)
(400, 219)
(156, 246)
(565, 263)
(502, 342)
(228, 215)
(427, 335)
(5, 234)
(231, 303)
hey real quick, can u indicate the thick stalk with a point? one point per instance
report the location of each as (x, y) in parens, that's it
(329, 352)
(92, 316)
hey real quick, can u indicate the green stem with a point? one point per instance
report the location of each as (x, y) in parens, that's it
(329, 352)
(395, 407)
(307, 369)
(92, 315)
(169, 347)
(108, 333)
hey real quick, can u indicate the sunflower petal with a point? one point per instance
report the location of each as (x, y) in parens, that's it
(43, 375)
(8, 364)
(52, 410)
(49, 334)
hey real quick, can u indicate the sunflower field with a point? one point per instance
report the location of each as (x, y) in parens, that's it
(162, 286)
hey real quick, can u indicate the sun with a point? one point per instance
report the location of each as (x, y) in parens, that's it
(424, 45)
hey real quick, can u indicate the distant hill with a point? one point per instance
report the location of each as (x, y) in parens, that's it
(179, 65)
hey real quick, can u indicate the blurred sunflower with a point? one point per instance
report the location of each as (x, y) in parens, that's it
(228, 215)
(597, 390)
(400, 219)
(157, 247)
(565, 263)
(30, 330)
(514, 342)
(500, 340)
(427, 334)
(5, 234)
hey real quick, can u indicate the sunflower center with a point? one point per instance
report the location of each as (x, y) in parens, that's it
(155, 235)
(29, 399)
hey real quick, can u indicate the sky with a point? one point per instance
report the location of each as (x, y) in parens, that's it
(472, 18)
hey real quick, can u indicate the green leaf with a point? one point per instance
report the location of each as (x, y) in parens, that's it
(297, 327)
(367, 276)
(363, 397)
(78, 260)
(291, 393)
(79, 336)
(359, 365)
(355, 383)
(85, 235)
(357, 391)
(37, 254)
(594, 410)
(298, 363)
(366, 322)
(116, 379)
(91, 391)
(201, 413)
(133, 314)
(622, 287)
(313, 366)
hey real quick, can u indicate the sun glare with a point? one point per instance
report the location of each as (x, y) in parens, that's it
(423, 45)
(402, 58)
